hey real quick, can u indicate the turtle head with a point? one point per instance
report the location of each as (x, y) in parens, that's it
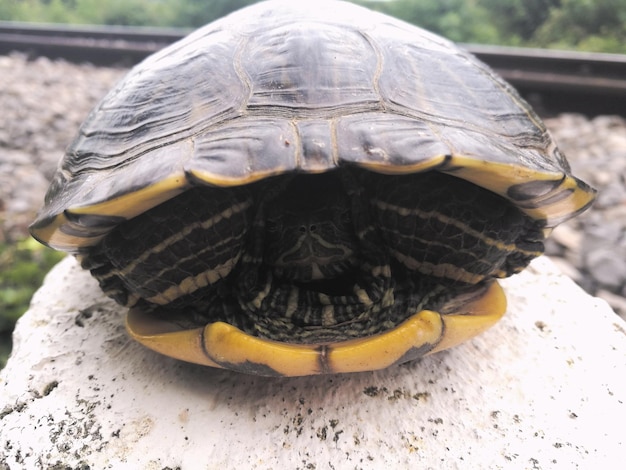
(308, 230)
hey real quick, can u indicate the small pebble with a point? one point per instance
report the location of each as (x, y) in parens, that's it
(606, 268)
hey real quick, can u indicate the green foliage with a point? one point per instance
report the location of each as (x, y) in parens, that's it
(598, 25)
(192, 13)
(23, 266)
(458, 20)
(183, 13)
(519, 19)
(584, 24)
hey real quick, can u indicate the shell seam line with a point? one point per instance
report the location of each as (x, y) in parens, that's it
(379, 68)
(507, 88)
(298, 143)
(334, 155)
(241, 73)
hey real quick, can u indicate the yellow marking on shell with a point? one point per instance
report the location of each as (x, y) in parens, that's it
(137, 202)
(250, 177)
(383, 350)
(229, 346)
(443, 270)
(225, 346)
(574, 202)
(53, 236)
(473, 318)
(498, 178)
(167, 339)
(389, 168)
(127, 206)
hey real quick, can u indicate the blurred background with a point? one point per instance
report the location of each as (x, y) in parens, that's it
(589, 25)
(43, 101)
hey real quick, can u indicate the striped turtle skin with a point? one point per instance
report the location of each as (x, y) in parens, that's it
(302, 188)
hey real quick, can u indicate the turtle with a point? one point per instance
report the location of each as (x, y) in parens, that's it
(307, 188)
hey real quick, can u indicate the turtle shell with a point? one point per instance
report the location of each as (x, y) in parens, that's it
(284, 88)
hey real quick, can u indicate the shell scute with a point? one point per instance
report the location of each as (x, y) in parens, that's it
(316, 66)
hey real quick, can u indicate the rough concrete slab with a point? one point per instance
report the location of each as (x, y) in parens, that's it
(543, 389)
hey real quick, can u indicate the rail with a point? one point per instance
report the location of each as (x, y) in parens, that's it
(553, 81)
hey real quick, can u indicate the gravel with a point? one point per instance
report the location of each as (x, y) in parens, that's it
(592, 248)
(43, 102)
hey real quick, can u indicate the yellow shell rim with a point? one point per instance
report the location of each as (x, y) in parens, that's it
(496, 177)
(224, 346)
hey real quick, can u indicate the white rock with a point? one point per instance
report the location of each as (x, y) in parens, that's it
(544, 388)
(567, 268)
(617, 302)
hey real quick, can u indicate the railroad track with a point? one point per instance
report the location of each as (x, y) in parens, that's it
(553, 81)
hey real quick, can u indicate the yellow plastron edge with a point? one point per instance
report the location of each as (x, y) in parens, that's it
(225, 346)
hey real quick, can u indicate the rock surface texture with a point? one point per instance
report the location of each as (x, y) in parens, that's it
(543, 389)
(43, 103)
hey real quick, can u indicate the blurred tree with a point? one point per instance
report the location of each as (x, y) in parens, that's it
(197, 13)
(519, 19)
(181, 13)
(586, 24)
(458, 20)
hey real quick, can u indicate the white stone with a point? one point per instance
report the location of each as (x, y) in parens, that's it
(617, 302)
(545, 388)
